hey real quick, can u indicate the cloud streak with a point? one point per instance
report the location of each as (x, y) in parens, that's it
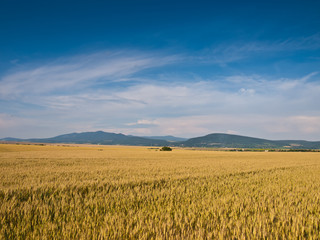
(119, 92)
(79, 72)
(225, 53)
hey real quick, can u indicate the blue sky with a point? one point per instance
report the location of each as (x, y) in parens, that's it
(183, 68)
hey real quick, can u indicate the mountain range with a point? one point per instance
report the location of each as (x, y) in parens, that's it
(215, 140)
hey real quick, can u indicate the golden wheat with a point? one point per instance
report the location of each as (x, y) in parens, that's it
(113, 192)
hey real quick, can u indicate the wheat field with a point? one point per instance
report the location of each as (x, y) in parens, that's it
(117, 192)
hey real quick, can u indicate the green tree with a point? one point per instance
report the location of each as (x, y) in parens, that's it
(166, 149)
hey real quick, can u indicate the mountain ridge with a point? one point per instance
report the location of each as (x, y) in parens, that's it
(213, 140)
(237, 141)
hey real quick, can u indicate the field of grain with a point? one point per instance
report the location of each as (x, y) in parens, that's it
(113, 192)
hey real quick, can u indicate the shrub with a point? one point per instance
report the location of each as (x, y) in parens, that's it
(166, 149)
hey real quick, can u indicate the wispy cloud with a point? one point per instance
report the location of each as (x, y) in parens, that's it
(144, 122)
(225, 53)
(108, 91)
(256, 125)
(79, 72)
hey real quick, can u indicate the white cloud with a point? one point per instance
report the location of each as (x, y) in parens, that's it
(262, 108)
(6, 121)
(247, 91)
(232, 132)
(232, 52)
(143, 122)
(11, 126)
(256, 125)
(70, 95)
(78, 72)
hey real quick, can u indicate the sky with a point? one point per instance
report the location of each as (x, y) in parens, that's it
(152, 68)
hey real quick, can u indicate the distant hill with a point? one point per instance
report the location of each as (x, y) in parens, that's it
(98, 137)
(215, 140)
(9, 139)
(222, 140)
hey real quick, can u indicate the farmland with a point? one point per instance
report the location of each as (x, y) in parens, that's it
(115, 192)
